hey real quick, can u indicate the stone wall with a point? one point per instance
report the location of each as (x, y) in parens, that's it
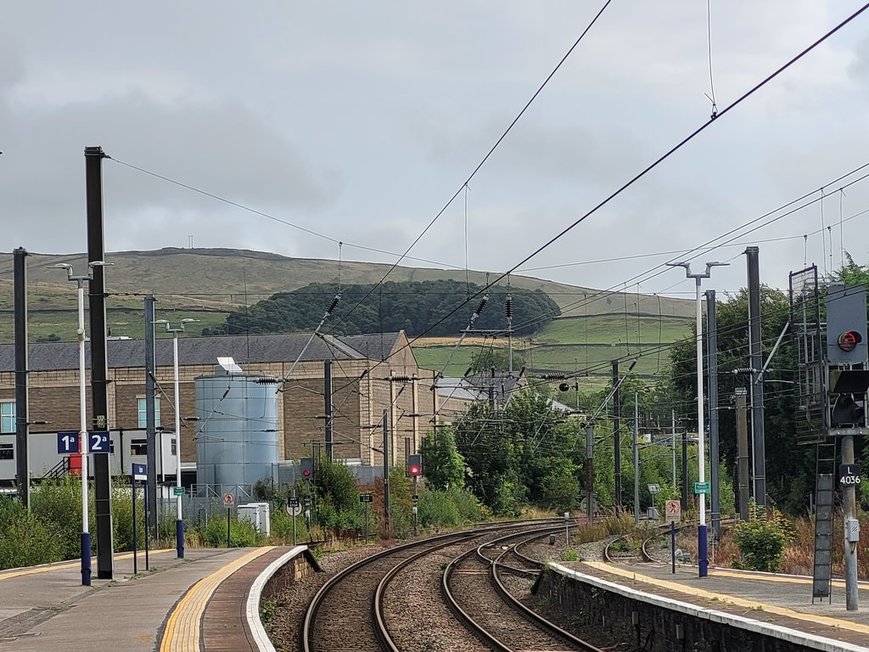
(606, 615)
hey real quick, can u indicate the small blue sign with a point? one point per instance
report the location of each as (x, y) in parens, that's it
(140, 471)
(99, 441)
(67, 442)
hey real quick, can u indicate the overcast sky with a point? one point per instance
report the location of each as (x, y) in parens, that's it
(359, 120)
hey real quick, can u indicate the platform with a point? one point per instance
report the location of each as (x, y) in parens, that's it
(45, 608)
(778, 605)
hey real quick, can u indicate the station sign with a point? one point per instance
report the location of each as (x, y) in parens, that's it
(849, 475)
(140, 472)
(177, 491)
(67, 442)
(98, 441)
(673, 511)
(365, 498)
(701, 488)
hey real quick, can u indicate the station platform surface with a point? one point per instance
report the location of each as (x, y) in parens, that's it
(47, 608)
(770, 599)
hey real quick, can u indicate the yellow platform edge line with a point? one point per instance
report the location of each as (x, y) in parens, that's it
(181, 633)
(729, 599)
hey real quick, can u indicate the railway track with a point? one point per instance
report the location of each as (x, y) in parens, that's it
(391, 600)
(465, 586)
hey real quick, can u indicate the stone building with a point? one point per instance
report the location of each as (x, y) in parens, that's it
(370, 374)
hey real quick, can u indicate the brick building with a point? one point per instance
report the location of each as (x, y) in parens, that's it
(370, 373)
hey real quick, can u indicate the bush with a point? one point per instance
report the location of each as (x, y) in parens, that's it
(57, 505)
(762, 541)
(122, 518)
(213, 534)
(26, 540)
(449, 508)
(282, 527)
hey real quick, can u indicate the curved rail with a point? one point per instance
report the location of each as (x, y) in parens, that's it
(309, 622)
(378, 607)
(530, 615)
(318, 599)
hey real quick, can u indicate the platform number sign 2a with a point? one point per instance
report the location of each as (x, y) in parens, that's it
(99, 441)
(849, 475)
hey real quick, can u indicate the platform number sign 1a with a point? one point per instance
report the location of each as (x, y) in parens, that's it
(849, 475)
(67, 442)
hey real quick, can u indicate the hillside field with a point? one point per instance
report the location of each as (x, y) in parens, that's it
(206, 284)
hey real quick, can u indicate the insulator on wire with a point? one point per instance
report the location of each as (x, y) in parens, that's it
(334, 304)
(508, 307)
(480, 306)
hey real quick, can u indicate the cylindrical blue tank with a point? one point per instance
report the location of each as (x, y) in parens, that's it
(237, 437)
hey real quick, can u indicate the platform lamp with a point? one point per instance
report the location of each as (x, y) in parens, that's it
(179, 522)
(702, 543)
(82, 432)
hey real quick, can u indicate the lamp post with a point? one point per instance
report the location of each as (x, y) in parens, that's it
(179, 522)
(702, 552)
(82, 431)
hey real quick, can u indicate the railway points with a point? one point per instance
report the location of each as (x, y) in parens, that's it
(747, 604)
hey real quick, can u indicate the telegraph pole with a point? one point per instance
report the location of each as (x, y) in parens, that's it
(327, 393)
(386, 465)
(589, 471)
(617, 443)
(22, 423)
(150, 418)
(673, 443)
(740, 394)
(99, 367)
(712, 355)
(636, 458)
(756, 362)
(685, 503)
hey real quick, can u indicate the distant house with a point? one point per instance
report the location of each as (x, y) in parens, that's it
(457, 394)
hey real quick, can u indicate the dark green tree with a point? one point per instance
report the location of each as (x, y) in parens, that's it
(432, 307)
(789, 467)
(442, 462)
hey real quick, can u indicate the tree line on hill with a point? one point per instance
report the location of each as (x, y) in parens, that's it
(435, 308)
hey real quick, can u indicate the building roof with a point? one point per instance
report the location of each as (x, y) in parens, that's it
(255, 349)
(374, 346)
(475, 387)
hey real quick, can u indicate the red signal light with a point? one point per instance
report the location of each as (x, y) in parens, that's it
(849, 340)
(413, 468)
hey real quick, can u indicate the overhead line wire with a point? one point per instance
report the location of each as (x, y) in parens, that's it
(273, 218)
(488, 154)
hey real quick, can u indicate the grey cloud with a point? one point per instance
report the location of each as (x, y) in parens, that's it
(220, 147)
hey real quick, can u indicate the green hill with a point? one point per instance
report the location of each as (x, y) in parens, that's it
(208, 284)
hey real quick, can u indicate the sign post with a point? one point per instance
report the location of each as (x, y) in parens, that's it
(228, 502)
(294, 509)
(654, 490)
(139, 472)
(673, 514)
(366, 498)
